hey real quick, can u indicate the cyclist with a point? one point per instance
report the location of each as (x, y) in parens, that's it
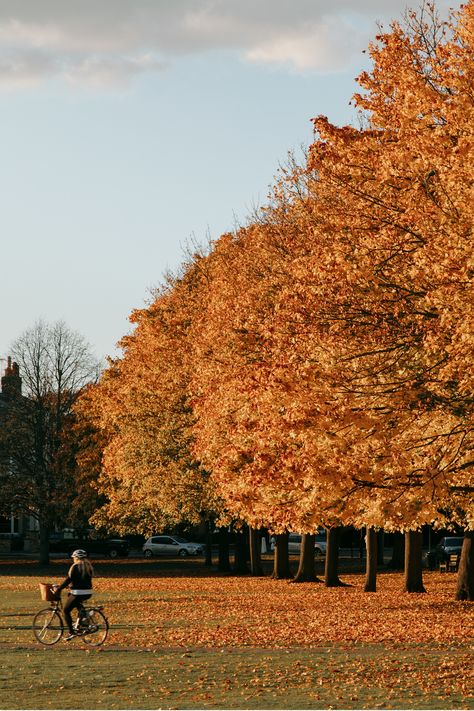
(79, 580)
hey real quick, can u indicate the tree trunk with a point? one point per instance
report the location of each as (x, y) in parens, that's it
(307, 570)
(397, 560)
(331, 577)
(255, 552)
(43, 543)
(413, 562)
(223, 565)
(208, 557)
(241, 552)
(372, 559)
(281, 566)
(465, 586)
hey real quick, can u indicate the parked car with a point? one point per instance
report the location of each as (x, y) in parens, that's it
(112, 547)
(294, 544)
(449, 545)
(171, 545)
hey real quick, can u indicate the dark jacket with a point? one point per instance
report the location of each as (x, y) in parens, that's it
(79, 583)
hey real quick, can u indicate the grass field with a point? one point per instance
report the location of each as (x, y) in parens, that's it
(184, 637)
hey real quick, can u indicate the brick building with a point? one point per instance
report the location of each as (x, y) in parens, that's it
(13, 529)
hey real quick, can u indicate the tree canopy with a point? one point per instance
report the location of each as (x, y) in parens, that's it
(315, 367)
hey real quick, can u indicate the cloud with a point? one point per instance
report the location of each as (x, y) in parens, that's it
(24, 69)
(108, 42)
(324, 46)
(99, 71)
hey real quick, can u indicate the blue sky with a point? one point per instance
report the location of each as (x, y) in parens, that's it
(130, 127)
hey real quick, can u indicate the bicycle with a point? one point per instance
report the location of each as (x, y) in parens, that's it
(49, 625)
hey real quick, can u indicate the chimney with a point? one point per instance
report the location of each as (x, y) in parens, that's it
(11, 381)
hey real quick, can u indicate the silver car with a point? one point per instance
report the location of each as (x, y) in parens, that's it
(170, 545)
(294, 544)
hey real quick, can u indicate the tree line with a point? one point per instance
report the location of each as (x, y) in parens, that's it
(314, 367)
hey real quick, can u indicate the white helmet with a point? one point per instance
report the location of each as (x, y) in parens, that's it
(79, 553)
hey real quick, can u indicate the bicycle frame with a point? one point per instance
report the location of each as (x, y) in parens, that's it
(81, 608)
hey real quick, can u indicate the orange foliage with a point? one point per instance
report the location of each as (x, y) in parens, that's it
(315, 367)
(340, 380)
(141, 408)
(403, 256)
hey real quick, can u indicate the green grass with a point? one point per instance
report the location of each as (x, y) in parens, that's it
(328, 677)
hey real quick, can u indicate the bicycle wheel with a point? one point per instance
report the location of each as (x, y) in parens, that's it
(48, 626)
(97, 630)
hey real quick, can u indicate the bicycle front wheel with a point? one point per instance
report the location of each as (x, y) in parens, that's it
(48, 626)
(97, 628)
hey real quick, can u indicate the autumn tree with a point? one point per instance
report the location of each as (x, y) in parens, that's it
(149, 476)
(400, 190)
(260, 402)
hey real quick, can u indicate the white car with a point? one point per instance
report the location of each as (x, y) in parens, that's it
(294, 544)
(170, 545)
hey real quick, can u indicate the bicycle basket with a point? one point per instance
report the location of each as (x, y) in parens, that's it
(47, 592)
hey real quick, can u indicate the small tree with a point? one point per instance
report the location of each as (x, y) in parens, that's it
(37, 440)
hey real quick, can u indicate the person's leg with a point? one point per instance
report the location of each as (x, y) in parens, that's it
(80, 604)
(69, 605)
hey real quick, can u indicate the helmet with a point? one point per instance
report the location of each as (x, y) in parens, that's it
(79, 553)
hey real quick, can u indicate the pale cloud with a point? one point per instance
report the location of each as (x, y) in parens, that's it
(24, 69)
(326, 46)
(108, 42)
(98, 72)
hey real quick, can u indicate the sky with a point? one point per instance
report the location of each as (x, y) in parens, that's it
(131, 129)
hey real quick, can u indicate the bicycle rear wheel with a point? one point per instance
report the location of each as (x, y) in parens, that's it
(48, 626)
(97, 628)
